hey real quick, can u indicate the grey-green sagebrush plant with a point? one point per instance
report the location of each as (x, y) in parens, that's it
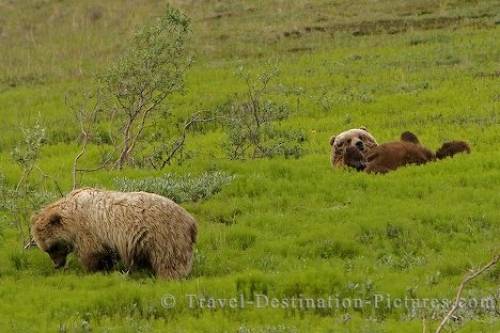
(136, 86)
(178, 189)
(252, 121)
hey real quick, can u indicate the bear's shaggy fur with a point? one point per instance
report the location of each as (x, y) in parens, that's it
(358, 138)
(142, 230)
(390, 156)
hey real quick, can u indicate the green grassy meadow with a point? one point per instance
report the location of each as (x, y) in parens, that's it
(282, 228)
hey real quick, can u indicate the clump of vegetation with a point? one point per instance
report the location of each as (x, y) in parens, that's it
(253, 122)
(179, 189)
(18, 202)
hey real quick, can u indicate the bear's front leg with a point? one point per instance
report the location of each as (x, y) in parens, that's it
(97, 261)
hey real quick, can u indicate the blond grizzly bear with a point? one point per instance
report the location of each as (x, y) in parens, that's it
(142, 230)
(358, 138)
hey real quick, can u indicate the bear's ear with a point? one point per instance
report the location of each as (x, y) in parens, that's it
(363, 128)
(55, 219)
(332, 139)
(409, 137)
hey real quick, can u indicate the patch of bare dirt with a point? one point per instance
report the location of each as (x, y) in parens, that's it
(392, 26)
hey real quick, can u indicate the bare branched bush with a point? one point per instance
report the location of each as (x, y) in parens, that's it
(170, 144)
(471, 275)
(253, 122)
(90, 119)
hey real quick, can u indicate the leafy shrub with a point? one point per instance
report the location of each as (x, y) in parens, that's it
(253, 122)
(27, 151)
(18, 202)
(179, 189)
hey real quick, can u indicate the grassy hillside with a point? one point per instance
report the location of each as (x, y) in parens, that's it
(282, 228)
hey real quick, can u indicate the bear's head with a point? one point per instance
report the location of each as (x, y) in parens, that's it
(51, 235)
(358, 138)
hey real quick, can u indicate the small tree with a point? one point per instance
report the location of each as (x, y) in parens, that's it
(137, 85)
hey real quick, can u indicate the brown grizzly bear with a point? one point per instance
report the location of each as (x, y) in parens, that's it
(359, 138)
(390, 156)
(142, 230)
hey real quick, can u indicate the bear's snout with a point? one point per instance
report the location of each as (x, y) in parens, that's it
(59, 262)
(58, 253)
(360, 145)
